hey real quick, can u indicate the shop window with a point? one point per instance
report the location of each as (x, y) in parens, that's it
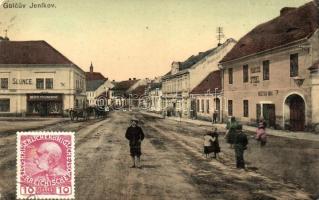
(40, 83)
(293, 65)
(230, 107)
(4, 105)
(245, 73)
(197, 105)
(266, 70)
(4, 83)
(49, 83)
(246, 108)
(207, 106)
(230, 75)
(202, 106)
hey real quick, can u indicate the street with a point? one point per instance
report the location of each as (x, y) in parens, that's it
(173, 166)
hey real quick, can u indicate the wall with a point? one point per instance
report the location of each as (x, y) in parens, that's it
(273, 91)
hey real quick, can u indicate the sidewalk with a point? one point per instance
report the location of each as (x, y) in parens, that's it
(279, 133)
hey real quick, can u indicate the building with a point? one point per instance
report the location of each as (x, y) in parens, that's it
(207, 97)
(123, 92)
(36, 79)
(96, 85)
(272, 73)
(155, 102)
(184, 76)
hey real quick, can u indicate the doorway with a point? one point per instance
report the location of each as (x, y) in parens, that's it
(297, 117)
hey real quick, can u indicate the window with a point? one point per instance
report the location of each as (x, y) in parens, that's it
(49, 83)
(197, 105)
(246, 108)
(245, 73)
(266, 70)
(202, 106)
(230, 75)
(4, 105)
(40, 83)
(230, 107)
(293, 65)
(207, 106)
(4, 83)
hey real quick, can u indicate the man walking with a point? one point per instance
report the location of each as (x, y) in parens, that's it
(240, 143)
(135, 135)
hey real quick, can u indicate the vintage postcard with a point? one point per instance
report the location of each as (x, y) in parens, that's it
(159, 99)
(45, 165)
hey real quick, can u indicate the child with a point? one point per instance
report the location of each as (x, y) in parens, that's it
(208, 139)
(261, 135)
(215, 143)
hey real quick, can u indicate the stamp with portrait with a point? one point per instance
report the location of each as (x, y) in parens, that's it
(45, 165)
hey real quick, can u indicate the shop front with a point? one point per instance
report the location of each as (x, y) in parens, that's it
(44, 104)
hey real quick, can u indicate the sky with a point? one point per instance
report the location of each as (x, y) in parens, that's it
(135, 38)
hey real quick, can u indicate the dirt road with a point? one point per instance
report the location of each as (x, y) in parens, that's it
(173, 165)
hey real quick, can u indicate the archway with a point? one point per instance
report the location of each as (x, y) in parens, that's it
(295, 115)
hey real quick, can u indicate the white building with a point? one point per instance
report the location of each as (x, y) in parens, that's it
(35, 79)
(184, 76)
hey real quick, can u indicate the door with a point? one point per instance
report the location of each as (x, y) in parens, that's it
(269, 113)
(297, 114)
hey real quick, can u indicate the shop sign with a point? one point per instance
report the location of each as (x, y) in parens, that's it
(23, 81)
(267, 93)
(40, 97)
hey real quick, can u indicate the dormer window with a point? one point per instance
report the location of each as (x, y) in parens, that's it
(175, 68)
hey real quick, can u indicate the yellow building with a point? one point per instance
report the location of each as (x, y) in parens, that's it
(266, 74)
(35, 79)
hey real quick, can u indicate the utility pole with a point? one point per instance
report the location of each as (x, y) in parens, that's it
(220, 34)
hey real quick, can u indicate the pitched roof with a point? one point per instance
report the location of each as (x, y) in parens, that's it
(94, 76)
(194, 59)
(293, 25)
(30, 52)
(208, 85)
(139, 91)
(92, 85)
(124, 85)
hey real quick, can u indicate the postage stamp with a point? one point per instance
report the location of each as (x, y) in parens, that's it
(45, 165)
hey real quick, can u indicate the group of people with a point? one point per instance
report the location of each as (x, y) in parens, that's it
(236, 138)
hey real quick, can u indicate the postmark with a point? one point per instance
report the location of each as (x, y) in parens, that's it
(45, 165)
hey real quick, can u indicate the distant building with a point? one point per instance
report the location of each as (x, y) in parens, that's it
(271, 72)
(206, 97)
(155, 96)
(96, 85)
(184, 76)
(121, 93)
(36, 79)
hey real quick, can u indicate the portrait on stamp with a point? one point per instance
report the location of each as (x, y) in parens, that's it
(45, 165)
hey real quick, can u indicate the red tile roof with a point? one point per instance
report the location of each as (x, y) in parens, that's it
(208, 85)
(124, 85)
(30, 52)
(291, 26)
(90, 76)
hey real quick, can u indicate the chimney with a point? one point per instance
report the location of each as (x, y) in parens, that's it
(91, 68)
(285, 10)
(134, 79)
(113, 81)
(129, 79)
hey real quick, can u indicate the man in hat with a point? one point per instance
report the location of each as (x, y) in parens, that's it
(135, 135)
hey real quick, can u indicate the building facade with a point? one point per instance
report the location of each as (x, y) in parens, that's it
(206, 98)
(266, 75)
(184, 76)
(35, 79)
